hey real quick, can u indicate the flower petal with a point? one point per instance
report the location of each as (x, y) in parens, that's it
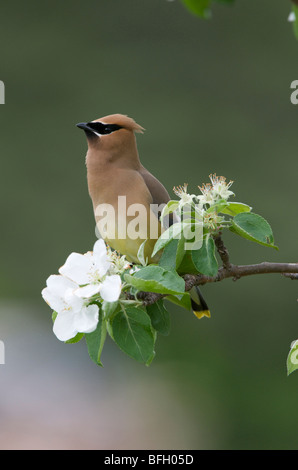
(100, 257)
(59, 284)
(56, 303)
(54, 293)
(64, 326)
(86, 321)
(110, 289)
(87, 291)
(72, 301)
(77, 268)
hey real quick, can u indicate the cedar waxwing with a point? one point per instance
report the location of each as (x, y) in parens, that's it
(120, 187)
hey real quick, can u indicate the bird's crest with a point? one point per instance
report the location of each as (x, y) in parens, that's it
(123, 121)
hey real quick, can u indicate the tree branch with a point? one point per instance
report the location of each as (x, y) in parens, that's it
(230, 271)
(238, 271)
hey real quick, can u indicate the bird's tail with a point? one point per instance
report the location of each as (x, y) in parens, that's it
(198, 303)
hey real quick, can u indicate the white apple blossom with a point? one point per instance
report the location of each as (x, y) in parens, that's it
(218, 189)
(185, 198)
(207, 194)
(90, 272)
(119, 263)
(81, 280)
(73, 314)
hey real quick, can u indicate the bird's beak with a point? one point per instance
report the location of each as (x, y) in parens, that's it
(90, 133)
(84, 126)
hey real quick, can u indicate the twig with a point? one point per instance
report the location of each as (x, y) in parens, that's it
(233, 271)
(291, 276)
(222, 251)
(238, 271)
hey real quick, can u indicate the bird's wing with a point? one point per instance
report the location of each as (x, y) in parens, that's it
(159, 194)
(157, 190)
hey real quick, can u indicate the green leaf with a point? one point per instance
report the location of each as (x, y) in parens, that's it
(292, 360)
(109, 308)
(170, 207)
(183, 301)
(187, 266)
(168, 257)
(76, 339)
(95, 340)
(253, 227)
(130, 303)
(198, 7)
(186, 230)
(156, 279)
(204, 259)
(180, 252)
(193, 235)
(172, 254)
(160, 317)
(141, 254)
(234, 208)
(132, 332)
(218, 206)
(173, 232)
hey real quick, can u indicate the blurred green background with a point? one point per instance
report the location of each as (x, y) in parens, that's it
(214, 96)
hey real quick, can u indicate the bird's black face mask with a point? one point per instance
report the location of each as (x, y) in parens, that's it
(97, 129)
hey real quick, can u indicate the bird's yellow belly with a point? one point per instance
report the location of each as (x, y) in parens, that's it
(126, 235)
